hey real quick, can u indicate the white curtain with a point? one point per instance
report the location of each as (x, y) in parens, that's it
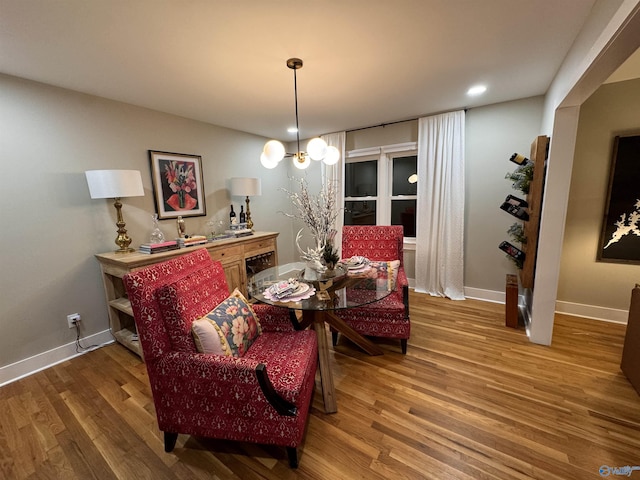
(334, 175)
(440, 224)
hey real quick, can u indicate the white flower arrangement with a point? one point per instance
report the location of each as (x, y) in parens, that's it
(318, 213)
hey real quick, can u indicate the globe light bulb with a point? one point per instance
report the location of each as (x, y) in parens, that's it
(274, 151)
(332, 156)
(317, 148)
(266, 163)
(301, 161)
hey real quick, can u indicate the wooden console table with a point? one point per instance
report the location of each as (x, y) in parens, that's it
(234, 254)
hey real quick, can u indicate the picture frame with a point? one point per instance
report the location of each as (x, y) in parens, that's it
(620, 234)
(178, 184)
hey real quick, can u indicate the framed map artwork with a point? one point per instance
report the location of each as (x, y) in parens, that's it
(620, 235)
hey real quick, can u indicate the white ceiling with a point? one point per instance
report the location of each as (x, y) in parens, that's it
(366, 62)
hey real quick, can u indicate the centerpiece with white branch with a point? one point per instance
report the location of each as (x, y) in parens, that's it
(318, 213)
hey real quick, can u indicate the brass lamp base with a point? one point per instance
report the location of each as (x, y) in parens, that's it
(249, 221)
(122, 240)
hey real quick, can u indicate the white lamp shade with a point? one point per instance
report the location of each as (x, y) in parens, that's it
(332, 156)
(274, 151)
(266, 163)
(317, 148)
(245, 187)
(114, 183)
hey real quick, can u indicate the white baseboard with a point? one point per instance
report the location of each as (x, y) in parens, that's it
(15, 371)
(485, 295)
(568, 308)
(591, 311)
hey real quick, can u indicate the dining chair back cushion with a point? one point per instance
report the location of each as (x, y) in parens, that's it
(379, 243)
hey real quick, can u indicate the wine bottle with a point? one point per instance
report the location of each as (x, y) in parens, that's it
(515, 210)
(516, 201)
(512, 251)
(232, 217)
(243, 216)
(519, 159)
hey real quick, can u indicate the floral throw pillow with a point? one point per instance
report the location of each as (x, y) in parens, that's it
(236, 324)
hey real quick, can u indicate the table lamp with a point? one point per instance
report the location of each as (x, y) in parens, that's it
(116, 184)
(246, 187)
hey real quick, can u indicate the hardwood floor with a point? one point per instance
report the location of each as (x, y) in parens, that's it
(472, 399)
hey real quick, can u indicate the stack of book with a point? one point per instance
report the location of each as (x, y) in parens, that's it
(159, 247)
(192, 241)
(239, 230)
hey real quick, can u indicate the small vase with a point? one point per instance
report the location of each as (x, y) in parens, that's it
(181, 202)
(156, 234)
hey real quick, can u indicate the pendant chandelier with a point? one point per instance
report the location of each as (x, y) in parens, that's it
(317, 148)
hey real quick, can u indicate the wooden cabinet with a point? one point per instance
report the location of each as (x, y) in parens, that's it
(236, 255)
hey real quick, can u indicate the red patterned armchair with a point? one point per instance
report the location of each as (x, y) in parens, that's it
(262, 396)
(389, 317)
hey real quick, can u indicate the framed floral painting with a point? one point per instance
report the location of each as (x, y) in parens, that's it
(178, 186)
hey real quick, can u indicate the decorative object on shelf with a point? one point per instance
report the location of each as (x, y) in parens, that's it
(317, 148)
(516, 232)
(330, 254)
(620, 234)
(178, 185)
(246, 187)
(519, 159)
(181, 227)
(521, 177)
(116, 184)
(318, 213)
(156, 234)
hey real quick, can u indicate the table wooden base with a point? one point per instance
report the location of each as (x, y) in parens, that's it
(317, 319)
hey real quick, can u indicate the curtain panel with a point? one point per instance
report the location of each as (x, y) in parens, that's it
(333, 175)
(440, 224)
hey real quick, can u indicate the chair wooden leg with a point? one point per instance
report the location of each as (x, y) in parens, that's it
(403, 343)
(292, 452)
(170, 441)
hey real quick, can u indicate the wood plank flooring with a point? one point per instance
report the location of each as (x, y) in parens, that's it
(472, 399)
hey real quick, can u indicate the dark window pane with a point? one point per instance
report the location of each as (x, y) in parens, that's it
(403, 168)
(361, 179)
(360, 213)
(403, 212)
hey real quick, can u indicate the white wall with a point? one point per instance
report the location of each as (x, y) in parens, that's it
(493, 134)
(52, 228)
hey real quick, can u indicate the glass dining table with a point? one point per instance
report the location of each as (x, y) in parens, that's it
(318, 298)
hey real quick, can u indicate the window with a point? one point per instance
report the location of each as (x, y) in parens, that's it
(380, 187)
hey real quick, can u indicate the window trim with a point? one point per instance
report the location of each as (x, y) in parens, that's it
(384, 155)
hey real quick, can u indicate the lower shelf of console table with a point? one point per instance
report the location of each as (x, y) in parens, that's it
(234, 254)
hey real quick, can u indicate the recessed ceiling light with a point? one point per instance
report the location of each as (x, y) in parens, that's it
(292, 129)
(476, 90)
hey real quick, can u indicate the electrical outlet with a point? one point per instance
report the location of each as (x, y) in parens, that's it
(73, 319)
